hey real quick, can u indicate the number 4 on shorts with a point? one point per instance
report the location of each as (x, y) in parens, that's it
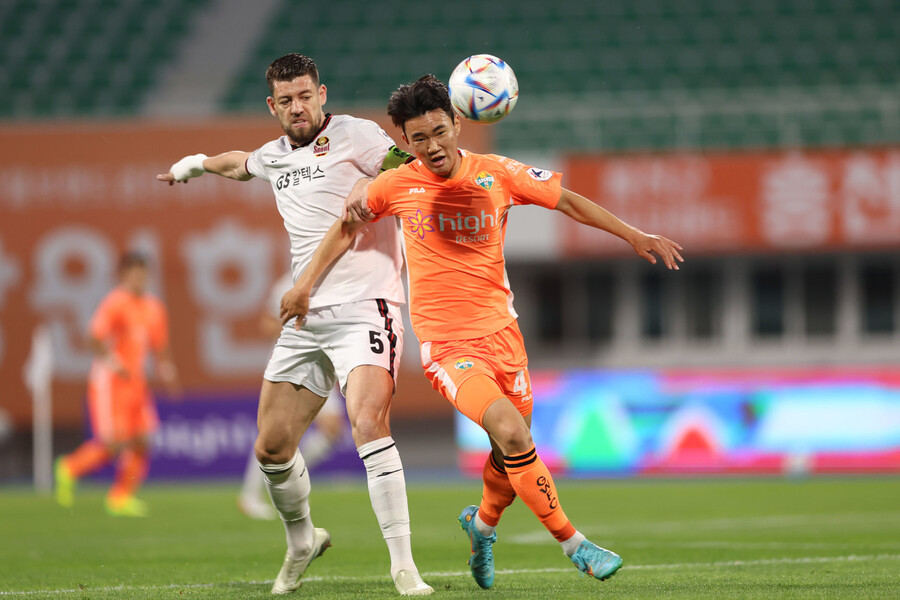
(520, 386)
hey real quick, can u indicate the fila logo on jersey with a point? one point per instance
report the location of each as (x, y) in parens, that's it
(463, 364)
(418, 190)
(540, 174)
(322, 146)
(485, 180)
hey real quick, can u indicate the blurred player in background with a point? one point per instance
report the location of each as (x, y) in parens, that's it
(317, 444)
(353, 334)
(453, 206)
(128, 324)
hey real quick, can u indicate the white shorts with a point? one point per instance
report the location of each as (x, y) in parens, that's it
(334, 341)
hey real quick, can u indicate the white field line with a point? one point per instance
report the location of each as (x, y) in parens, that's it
(727, 524)
(436, 574)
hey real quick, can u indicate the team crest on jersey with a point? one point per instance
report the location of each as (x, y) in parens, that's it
(540, 174)
(463, 364)
(485, 180)
(322, 146)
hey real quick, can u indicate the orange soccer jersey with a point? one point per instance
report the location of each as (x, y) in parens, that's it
(120, 406)
(454, 230)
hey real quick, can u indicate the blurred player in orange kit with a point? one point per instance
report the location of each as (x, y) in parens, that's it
(128, 324)
(453, 206)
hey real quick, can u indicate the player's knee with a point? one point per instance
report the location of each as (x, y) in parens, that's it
(269, 453)
(513, 438)
(369, 424)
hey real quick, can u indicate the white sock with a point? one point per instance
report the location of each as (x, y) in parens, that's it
(254, 482)
(316, 447)
(387, 492)
(570, 545)
(482, 527)
(288, 486)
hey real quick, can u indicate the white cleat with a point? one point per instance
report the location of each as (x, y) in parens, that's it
(409, 583)
(289, 577)
(256, 509)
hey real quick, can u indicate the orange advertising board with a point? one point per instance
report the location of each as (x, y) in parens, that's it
(76, 196)
(738, 202)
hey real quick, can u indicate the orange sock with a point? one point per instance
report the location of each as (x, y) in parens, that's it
(498, 492)
(87, 458)
(532, 481)
(131, 470)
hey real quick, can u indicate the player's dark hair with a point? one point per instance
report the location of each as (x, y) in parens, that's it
(132, 259)
(289, 67)
(413, 100)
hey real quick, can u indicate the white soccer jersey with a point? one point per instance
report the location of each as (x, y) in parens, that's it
(310, 185)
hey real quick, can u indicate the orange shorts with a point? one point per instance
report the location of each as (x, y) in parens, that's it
(500, 356)
(121, 409)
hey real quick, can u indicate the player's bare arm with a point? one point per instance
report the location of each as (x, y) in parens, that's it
(295, 302)
(356, 206)
(232, 165)
(102, 351)
(646, 245)
(167, 371)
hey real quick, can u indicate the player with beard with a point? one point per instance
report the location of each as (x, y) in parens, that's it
(353, 332)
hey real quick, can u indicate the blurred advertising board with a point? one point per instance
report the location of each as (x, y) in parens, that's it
(75, 196)
(698, 422)
(212, 437)
(738, 202)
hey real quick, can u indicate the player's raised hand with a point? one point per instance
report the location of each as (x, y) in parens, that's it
(646, 245)
(186, 168)
(294, 303)
(356, 206)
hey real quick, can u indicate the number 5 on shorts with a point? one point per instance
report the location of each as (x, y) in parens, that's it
(378, 346)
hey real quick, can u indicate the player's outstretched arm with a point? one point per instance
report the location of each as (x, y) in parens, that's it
(295, 302)
(232, 165)
(167, 371)
(584, 211)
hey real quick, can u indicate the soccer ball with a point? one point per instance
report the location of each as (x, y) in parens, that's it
(483, 88)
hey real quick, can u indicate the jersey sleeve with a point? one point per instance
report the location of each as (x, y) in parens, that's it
(103, 320)
(379, 195)
(254, 165)
(532, 185)
(371, 145)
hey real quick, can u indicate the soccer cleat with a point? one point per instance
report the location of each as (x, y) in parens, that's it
(409, 583)
(597, 562)
(65, 484)
(256, 509)
(126, 506)
(289, 577)
(482, 560)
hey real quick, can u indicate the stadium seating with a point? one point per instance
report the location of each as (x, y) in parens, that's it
(617, 74)
(85, 57)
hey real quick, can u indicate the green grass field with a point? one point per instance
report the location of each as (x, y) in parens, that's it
(825, 538)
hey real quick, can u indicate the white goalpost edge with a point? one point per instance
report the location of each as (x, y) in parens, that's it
(38, 375)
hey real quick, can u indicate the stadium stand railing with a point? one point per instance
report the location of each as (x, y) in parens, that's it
(621, 74)
(73, 58)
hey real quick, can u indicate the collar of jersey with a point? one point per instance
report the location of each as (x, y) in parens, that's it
(460, 173)
(315, 136)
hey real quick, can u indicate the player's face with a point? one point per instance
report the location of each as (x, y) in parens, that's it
(134, 279)
(298, 106)
(434, 138)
